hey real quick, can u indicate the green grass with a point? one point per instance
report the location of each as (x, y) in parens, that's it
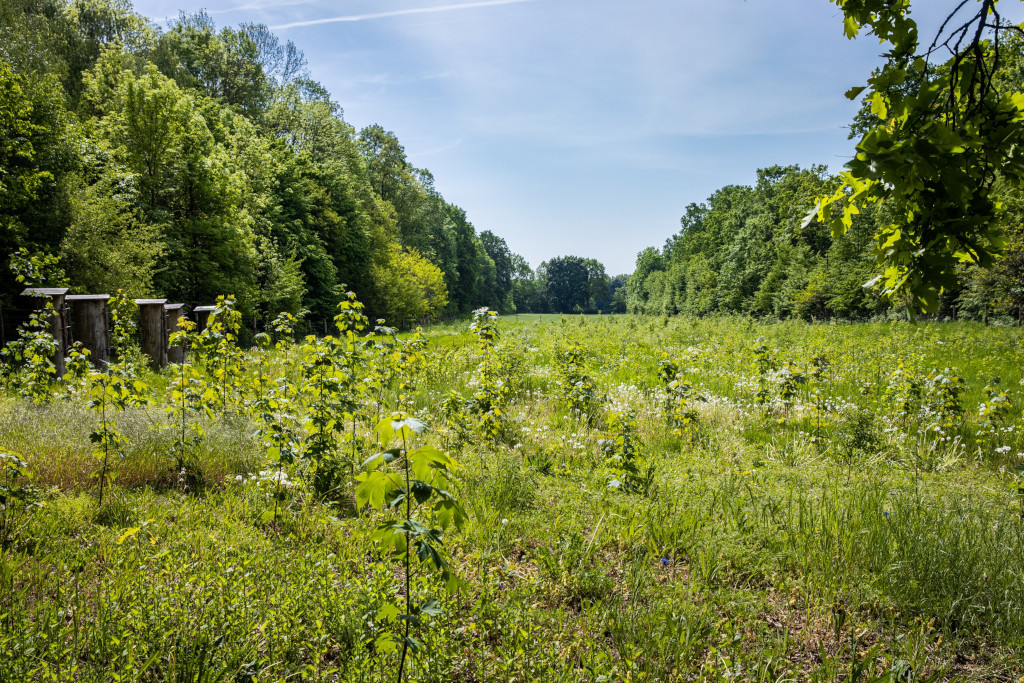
(878, 551)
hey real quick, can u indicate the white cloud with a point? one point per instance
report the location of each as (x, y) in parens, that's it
(396, 13)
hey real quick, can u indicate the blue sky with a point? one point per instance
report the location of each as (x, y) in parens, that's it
(583, 126)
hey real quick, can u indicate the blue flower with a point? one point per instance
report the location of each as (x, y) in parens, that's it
(665, 562)
(501, 586)
(886, 513)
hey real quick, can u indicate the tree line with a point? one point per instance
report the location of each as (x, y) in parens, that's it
(193, 161)
(755, 250)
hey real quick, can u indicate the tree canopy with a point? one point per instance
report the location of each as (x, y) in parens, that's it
(196, 161)
(941, 134)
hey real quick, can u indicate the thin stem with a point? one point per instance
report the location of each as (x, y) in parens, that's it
(408, 567)
(106, 442)
(184, 399)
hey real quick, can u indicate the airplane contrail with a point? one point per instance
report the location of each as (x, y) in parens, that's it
(396, 13)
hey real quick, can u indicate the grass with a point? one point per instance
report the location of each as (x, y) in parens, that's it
(830, 538)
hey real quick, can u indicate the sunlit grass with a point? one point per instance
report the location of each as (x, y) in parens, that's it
(778, 544)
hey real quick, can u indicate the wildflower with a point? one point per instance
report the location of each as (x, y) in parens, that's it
(665, 561)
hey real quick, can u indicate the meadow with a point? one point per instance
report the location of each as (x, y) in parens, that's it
(556, 498)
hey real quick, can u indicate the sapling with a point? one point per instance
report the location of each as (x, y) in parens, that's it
(218, 348)
(109, 394)
(412, 482)
(944, 391)
(17, 495)
(490, 390)
(188, 393)
(621, 448)
(904, 390)
(351, 322)
(680, 399)
(28, 361)
(763, 365)
(578, 388)
(820, 371)
(994, 412)
(788, 377)
(76, 368)
(328, 388)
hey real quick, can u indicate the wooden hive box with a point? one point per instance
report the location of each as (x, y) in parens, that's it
(153, 330)
(89, 325)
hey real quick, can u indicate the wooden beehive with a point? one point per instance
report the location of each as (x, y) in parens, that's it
(40, 296)
(153, 330)
(89, 325)
(202, 315)
(174, 313)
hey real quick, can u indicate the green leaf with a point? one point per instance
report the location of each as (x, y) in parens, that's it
(411, 618)
(128, 534)
(421, 491)
(375, 461)
(853, 93)
(386, 643)
(388, 612)
(385, 432)
(879, 106)
(409, 424)
(372, 489)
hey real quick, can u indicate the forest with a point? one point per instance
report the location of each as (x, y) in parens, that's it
(192, 161)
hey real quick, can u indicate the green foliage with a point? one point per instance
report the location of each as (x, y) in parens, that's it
(36, 154)
(17, 496)
(412, 482)
(329, 387)
(904, 390)
(124, 314)
(681, 398)
(457, 427)
(744, 250)
(788, 378)
(36, 270)
(205, 162)
(941, 136)
(574, 284)
(29, 367)
(944, 392)
(413, 288)
(76, 366)
(110, 391)
(490, 391)
(763, 364)
(906, 533)
(578, 389)
(622, 452)
(107, 247)
(217, 347)
(188, 393)
(994, 411)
